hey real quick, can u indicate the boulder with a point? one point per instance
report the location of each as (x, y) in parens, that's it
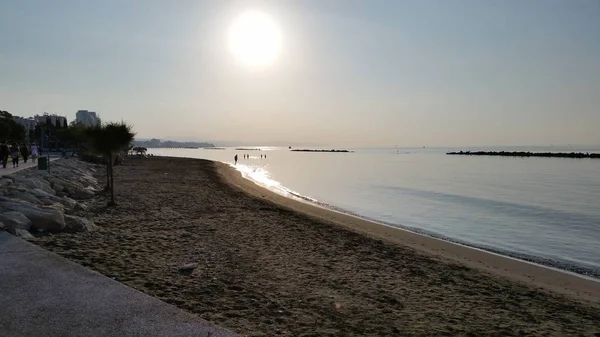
(50, 220)
(15, 220)
(80, 193)
(22, 234)
(78, 224)
(49, 199)
(25, 197)
(5, 199)
(59, 189)
(68, 203)
(55, 206)
(73, 189)
(79, 206)
(5, 182)
(39, 193)
(32, 183)
(43, 196)
(2, 226)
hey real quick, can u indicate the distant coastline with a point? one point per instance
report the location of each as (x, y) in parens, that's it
(159, 143)
(527, 154)
(332, 150)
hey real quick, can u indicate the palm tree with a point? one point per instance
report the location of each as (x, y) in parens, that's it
(108, 140)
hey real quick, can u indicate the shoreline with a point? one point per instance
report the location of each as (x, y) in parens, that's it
(556, 265)
(582, 287)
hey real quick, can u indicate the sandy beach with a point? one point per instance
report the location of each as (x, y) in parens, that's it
(268, 265)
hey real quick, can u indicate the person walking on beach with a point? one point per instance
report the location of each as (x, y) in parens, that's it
(235, 159)
(24, 153)
(14, 152)
(34, 152)
(4, 153)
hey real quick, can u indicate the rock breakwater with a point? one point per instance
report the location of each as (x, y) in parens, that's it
(33, 201)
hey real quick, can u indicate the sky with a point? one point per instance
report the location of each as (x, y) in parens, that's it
(350, 72)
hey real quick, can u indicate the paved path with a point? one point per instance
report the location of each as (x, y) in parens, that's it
(9, 168)
(43, 294)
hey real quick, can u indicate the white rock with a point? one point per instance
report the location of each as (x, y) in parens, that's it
(78, 224)
(50, 220)
(80, 194)
(32, 183)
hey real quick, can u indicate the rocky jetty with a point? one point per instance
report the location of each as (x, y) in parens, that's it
(33, 201)
(332, 150)
(578, 155)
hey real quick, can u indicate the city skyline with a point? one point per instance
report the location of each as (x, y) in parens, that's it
(343, 73)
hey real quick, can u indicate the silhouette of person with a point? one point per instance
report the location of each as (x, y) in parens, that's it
(14, 152)
(24, 153)
(4, 151)
(235, 159)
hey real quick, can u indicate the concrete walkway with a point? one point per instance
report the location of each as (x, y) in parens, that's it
(10, 169)
(43, 294)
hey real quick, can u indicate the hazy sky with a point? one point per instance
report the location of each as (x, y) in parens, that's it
(355, 73)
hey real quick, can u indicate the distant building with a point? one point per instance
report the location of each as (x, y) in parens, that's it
(28, 123)
(53, 119)
(87, 118)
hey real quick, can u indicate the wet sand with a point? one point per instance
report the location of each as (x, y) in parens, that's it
(268, 265)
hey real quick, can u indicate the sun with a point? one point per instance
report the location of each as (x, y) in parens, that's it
(254, 38)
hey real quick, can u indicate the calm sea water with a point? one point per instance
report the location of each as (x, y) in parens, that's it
(545, 210)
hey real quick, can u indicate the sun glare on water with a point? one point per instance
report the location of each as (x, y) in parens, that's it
(254, 38)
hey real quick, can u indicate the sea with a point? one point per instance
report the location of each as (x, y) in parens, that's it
(542, 210)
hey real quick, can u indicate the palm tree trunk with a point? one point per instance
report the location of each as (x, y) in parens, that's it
(108, 172)
(112, 184)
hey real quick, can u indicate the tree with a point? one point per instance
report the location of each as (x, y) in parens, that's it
(9, 129)
(109, 140)
(74, 135)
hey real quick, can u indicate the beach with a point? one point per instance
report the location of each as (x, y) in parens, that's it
(261, 264)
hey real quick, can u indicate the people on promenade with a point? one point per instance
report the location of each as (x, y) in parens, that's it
(24, 153)
(4, 151)
(34, 152)
(14, 153)
(235, 159)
